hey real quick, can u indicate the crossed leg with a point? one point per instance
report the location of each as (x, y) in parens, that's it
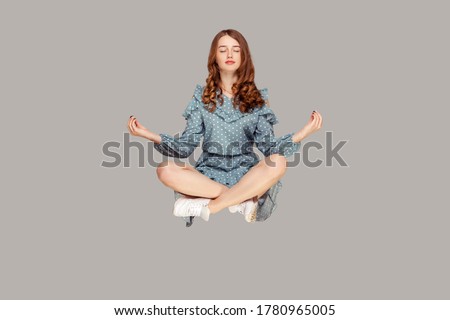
(255, 182)
(185, 179)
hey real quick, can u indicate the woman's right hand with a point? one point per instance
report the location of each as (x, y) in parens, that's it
(135, 128)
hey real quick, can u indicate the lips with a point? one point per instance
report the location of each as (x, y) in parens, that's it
(229, 62)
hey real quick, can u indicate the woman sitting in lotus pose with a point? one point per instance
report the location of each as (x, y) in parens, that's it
(232, 115)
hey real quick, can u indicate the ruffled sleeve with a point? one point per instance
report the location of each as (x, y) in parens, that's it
(184, 146)
(195, 103)
(264, 134)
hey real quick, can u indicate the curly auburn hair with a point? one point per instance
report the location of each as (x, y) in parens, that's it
(246, 94)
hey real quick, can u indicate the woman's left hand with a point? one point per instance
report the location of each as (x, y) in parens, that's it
(314, 124)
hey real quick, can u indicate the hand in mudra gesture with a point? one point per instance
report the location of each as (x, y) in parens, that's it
(313, 125)
(136, 128)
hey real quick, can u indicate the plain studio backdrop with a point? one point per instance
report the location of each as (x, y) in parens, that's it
(73, 73)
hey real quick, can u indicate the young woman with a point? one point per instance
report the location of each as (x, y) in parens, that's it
(231, 114)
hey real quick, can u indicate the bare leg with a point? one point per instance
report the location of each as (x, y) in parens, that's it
(254, 183)
(185, 179)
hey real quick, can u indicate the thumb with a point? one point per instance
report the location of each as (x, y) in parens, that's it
(139, 124)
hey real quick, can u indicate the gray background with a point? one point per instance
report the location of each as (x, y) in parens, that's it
(72, 74)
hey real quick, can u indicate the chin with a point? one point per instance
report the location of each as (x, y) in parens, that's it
(229, 68)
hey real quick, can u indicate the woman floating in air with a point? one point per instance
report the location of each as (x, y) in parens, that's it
(232, 115)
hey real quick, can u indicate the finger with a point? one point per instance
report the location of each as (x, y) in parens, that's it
(129, 122)
(130, 128)
(129, 125)
(139, 125)
(135, 128)
(315, 117)
(319, 118)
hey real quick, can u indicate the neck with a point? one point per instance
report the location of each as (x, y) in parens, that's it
(227, 80)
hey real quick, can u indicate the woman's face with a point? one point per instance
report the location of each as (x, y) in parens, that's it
(228, 49)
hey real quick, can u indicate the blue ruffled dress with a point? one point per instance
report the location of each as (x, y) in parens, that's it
(228, 139)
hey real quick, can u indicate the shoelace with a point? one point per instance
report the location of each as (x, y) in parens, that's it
(194, 208)
(241, 208)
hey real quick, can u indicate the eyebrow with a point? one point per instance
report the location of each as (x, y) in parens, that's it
(225, 46)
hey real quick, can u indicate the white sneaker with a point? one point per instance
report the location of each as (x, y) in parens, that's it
(248, 208)
(185, 207)
(237, 207)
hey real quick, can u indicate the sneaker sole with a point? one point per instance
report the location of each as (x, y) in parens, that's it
(251, 217)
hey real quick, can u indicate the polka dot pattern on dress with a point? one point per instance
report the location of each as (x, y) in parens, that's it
(228, 138)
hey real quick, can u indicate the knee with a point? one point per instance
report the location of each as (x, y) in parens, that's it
(166, 171)
(276, 165)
